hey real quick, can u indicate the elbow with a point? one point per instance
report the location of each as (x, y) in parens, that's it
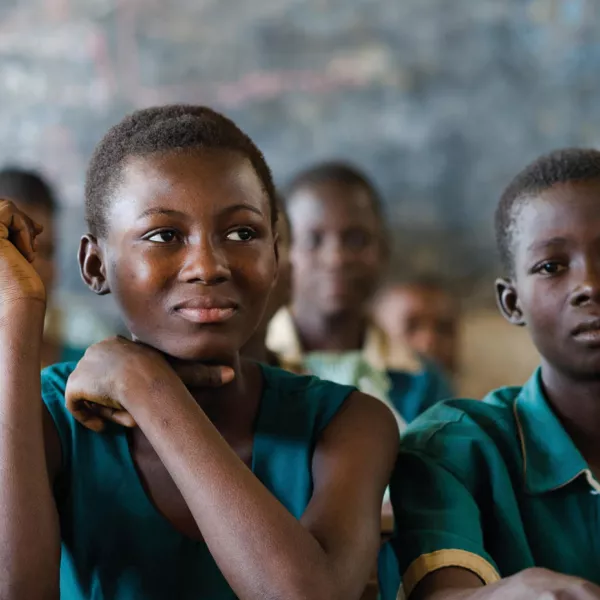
(317, 588)
(30, 591)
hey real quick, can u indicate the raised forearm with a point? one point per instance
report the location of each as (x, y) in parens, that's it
(262, 550)
(30, 543)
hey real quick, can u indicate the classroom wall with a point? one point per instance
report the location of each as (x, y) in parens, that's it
(493, 354)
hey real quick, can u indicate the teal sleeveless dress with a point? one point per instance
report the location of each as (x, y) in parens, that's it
(115, 545)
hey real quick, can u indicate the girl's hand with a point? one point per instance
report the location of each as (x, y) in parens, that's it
(19, 282)
(117, 372)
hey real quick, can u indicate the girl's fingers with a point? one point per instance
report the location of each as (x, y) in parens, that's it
(94, 416)
(84, 414)
(22, 236)
(17, 227)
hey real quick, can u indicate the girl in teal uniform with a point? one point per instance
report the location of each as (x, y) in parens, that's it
(168, 466)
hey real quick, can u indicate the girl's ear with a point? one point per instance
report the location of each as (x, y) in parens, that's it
(507, 299)
(92, 265)
(277, 243)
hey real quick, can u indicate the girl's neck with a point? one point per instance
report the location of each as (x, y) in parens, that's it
(256, 347)
(577, 405)
(343, 332)
(232, 408)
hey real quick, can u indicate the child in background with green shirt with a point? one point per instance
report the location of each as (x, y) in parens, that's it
(504, 493)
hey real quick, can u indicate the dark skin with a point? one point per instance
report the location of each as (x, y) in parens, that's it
(338, 253)
(256, 346)
(555, 292)
(183, 227)
(424, 317)
(45, 264)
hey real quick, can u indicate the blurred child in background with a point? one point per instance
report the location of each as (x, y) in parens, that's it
(423, 314)
(338, 254)
(34, 195)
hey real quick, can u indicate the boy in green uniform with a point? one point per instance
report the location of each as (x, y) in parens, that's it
(504, 493)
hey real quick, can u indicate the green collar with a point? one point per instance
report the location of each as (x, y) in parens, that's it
(550, 458)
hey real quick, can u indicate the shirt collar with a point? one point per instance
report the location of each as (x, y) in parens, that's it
(550, 458)
(283, 339)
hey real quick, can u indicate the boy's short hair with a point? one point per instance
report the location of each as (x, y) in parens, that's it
(164, 129)
(27, 187)
(560, 166)
(337, 171)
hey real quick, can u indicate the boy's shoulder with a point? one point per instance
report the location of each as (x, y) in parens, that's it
(459, 433)
(455, 415)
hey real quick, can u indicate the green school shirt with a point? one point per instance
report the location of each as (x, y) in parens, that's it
(116, 546)
(494, 486)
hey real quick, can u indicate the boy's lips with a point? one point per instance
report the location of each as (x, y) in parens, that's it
(206, 310)
(588, 331)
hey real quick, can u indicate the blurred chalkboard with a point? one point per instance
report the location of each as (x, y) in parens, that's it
(441, 101)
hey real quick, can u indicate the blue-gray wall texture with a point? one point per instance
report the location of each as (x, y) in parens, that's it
(440, 100)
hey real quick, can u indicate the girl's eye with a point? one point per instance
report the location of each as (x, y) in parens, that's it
(550, 268)
(245, 234)
(162, 237)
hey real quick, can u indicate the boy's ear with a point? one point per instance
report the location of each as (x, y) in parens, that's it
(508, 301)
(92, 266)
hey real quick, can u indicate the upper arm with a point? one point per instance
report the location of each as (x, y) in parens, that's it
(52, 445)
(438, 522)
(351, 468)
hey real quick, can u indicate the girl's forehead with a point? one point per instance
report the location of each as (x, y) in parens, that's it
(198, 179)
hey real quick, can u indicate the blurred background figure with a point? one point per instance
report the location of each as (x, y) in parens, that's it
(338, 254)
(33, 195)
(64, 339)
(425, 315)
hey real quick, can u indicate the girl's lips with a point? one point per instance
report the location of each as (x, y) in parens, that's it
(206, 316)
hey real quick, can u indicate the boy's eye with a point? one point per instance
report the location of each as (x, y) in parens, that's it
(244, 234)
(162, 237)
(550, 268)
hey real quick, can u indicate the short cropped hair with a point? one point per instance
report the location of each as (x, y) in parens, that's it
(561, 166)
(159, 130)
(341, 172)
(27, 187)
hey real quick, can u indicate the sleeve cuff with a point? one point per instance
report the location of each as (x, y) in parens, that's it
(428, 563)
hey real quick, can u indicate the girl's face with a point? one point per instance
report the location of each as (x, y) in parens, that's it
(190, 252)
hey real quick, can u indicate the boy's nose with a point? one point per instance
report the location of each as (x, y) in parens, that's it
(588, 291)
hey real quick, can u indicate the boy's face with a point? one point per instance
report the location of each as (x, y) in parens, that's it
(556, 286)
(45, 257)
(190, 252)
(425, 318)
(337, 248)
